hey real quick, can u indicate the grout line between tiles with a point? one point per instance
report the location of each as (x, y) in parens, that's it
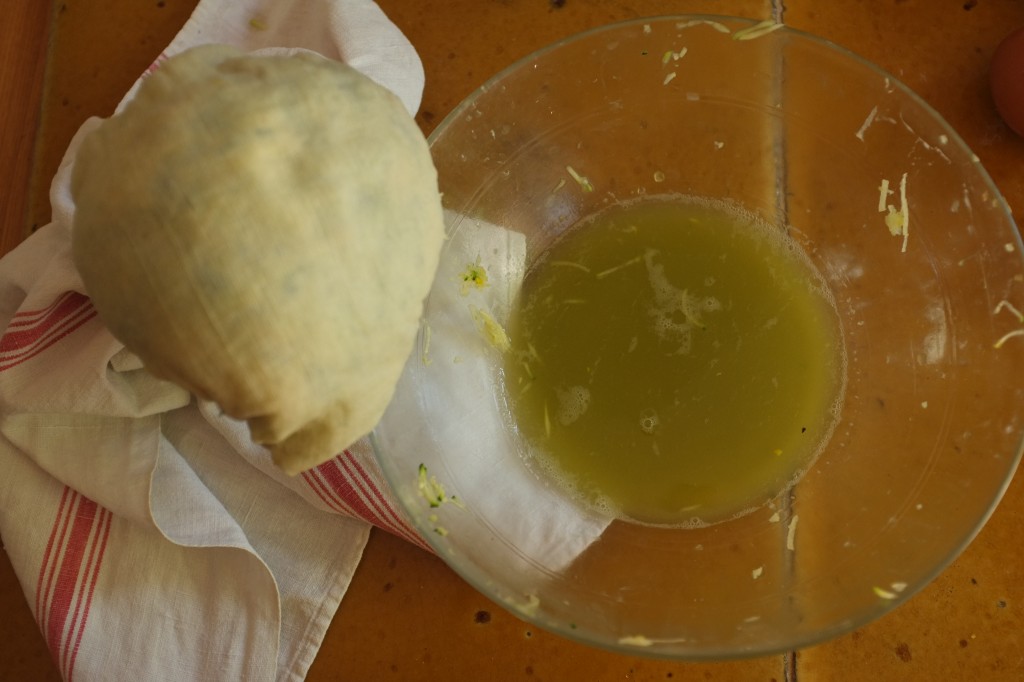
(789, 667)
(778, 11)
(778, 14)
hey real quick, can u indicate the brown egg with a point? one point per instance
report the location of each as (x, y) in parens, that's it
(1006, 78)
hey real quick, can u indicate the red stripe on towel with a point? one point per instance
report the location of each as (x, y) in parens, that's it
(19, 345)
(46, 576)
(67, 575)
(67, 579)
(358, 473)
(341, 491)
(88, 589)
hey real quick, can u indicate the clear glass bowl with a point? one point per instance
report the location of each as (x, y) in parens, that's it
(801, 133)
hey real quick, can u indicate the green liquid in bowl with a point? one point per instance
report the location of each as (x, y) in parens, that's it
(674, 362)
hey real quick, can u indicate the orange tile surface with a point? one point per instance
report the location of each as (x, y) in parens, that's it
(407, 616)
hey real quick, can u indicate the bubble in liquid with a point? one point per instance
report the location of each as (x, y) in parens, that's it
(572, 403)
(649, 421)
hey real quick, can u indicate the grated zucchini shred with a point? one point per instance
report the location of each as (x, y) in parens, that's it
(883, 593)
(434, 493)
(867, 124)
(791, 533)
(429, 489)
(635, 640)
(718, 26)
(757, 30)
(1010, 308)
(883, 195)
(673, 56)
(570, 264)
(581, 180)
(615, 268)
(473, 277)
(896, 220)
(492, 331)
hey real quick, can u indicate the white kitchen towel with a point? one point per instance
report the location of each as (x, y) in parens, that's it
(152, 540)
(448, 414)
